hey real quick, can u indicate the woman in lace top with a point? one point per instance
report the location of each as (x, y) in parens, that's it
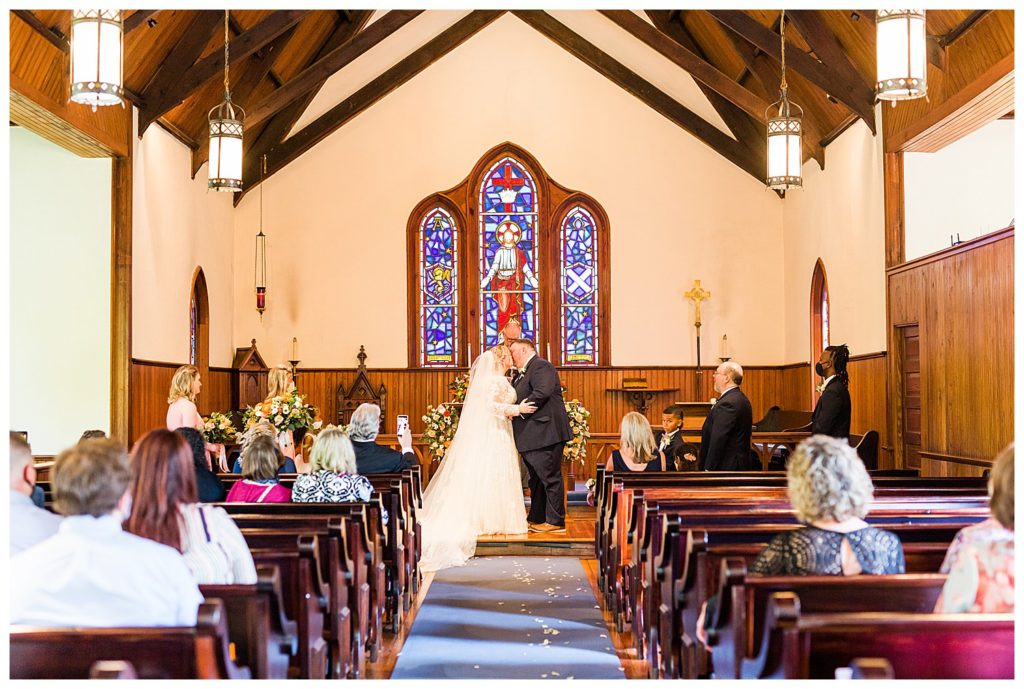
(333, 476)
(980, 559)
(831, 492)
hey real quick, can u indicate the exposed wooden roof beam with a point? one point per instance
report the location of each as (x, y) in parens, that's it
(827, 48)
(403, 71)
(137, 19)
(277, 128)
(654, 98)
(319, 71)
(187, 50)
(207, 68)
(963, 27)
(53, 37)
(857, 99)
(699, 68)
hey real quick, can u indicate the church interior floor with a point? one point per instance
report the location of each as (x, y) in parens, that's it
(580, 529)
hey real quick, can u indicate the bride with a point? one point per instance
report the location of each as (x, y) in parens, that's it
(478, 489)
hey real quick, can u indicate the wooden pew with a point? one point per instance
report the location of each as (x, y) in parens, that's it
(743, 601)
(306, 599)
(811, 646)
(199, 652)
(263, 637)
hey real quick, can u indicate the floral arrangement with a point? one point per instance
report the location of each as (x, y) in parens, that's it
(217, 428)
(287, 412)
(440, 423)
(579, 425)
(458, 388)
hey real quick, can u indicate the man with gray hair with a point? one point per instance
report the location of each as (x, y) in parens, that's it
(372, 458)
(725, 437)
(29, 524)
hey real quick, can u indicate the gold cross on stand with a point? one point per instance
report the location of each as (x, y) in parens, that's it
(697, 295)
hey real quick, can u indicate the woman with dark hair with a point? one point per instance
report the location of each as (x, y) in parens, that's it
(832, 412)
(208, 486)
(164, 509)
(261, 460)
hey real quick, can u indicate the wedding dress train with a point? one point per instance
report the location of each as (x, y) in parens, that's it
(478, 488)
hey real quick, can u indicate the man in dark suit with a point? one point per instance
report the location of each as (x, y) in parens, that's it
(725, 437)
(541, 436)
(832, 412)
(372, 458)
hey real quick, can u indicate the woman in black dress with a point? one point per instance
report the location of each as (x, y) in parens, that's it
(637, 449)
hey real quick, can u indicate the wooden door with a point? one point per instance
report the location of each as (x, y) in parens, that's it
(911, 398)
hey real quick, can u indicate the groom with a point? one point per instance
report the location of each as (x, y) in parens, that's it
(541, 436)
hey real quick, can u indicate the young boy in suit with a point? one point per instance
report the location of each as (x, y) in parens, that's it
(670, 441)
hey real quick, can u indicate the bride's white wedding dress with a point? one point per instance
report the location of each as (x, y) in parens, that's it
(478, 488)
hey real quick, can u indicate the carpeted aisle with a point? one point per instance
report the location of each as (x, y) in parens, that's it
(509, 618)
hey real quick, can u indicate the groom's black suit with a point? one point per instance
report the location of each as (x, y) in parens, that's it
(541, 437)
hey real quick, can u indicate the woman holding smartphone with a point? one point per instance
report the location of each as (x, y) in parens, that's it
(371, 457)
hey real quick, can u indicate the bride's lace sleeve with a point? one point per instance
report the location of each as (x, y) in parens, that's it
(498, 407)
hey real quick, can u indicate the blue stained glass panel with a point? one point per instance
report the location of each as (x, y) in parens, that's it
(438, 289)
(507, 176)
(579, 288)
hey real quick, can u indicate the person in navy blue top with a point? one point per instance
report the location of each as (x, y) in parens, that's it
(637, 450)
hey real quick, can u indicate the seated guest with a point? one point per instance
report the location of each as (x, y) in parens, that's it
(832, 412)
(636, 447)
(164, 509)
(266, 429)
(29, 524)
(980, 559)
(208, 485)
(261, 461)
(372, 458)
(831, 492)
(91, 573)
(334, 477)
(88, 435)
(681, 455)
(725, 437)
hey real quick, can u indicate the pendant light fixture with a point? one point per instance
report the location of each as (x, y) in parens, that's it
(97, 51)
(785, 129)
(901, 55)
(226, 126)
(260, 270)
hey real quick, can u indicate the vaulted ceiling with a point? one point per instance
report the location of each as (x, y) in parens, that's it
(281, 59)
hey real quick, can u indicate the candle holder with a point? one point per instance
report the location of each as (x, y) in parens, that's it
(295, 365)
(723, 359)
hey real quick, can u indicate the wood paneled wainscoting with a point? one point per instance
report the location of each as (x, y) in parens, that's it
(150, 383)
(961, 302)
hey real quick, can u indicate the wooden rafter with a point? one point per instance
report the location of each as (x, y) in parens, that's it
(277, 128)
(188, 48)
(857, 99)
(963, 27)
(240, 47)
(653, 97)
(316, 73)
(748, 131)
(758, 66)
(54, 38)
(137, 19)
(826, 46)
(699, 68)
(403, 71)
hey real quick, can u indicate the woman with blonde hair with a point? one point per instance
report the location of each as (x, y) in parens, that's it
(280, 382)
(183, 413)
(333, 476)
(637, 450)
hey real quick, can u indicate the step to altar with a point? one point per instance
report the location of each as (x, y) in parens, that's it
(536, 546)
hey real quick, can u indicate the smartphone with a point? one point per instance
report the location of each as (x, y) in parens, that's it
(403, 424)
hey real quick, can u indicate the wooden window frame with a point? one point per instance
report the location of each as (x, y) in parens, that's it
(199, 294)
(819, 293)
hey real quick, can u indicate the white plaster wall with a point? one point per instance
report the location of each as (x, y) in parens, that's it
(336, 217)
(177, 226)
(966, 188)
(60, 292)
(838, 217)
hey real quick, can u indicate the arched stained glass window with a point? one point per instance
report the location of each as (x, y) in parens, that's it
(509, 287)
(577, 239)
(439, 295)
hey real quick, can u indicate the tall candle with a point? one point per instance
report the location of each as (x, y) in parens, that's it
(725, 347)
(295, 349)
(549, 351)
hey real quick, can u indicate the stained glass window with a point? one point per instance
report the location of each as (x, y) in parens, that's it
(577, 239)
(824, 316)
(439, 296)
(193, 331)
(509, 288)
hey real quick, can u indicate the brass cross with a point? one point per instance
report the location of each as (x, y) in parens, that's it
(697, 295)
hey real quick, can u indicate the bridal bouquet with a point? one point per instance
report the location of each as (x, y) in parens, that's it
(217, 428)
(287, 412)
(579, 425)
(439, 429)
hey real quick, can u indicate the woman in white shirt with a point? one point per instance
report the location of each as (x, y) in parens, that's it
(164, 509)
(182, 410)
